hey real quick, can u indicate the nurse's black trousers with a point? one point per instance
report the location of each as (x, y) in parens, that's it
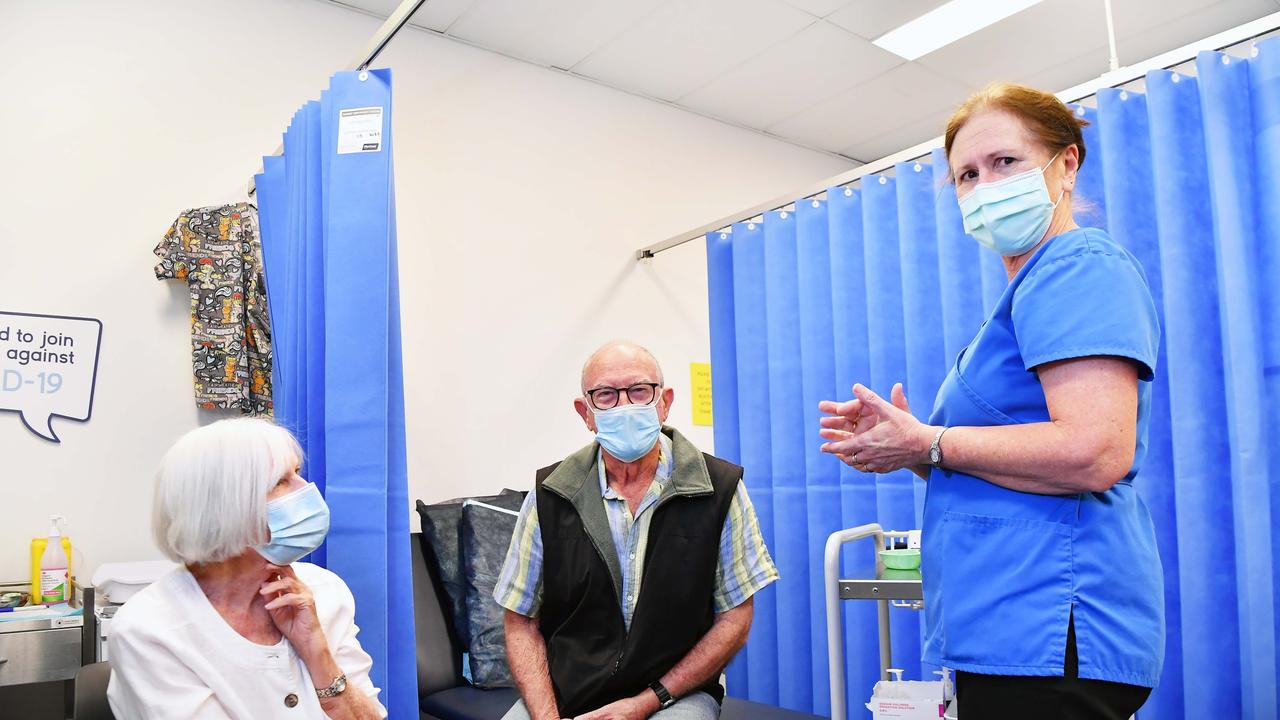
(1008, 697)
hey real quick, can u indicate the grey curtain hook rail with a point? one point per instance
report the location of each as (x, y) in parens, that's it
(1116, 78)
(372, 49)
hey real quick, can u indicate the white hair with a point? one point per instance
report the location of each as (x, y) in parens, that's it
(211, 490)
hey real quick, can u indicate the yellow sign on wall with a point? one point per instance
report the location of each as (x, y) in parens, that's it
(700, 389)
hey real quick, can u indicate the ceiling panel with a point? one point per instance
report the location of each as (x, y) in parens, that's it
(870, 110)
(777, 66)
(435, 15)
(818, 8)
(438, 15)
(1141, 36)
(817, 63)
(911, 132)
(873, 18)
(687, 43)
(1089, 64)
(1021, 47)
(1038, 38)
(380, 7)
(1132, 17)
(559, 33)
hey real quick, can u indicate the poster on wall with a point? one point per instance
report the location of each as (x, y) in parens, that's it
(48, 368)
(700, 389)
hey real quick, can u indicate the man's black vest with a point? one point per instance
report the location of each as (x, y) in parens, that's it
(592, 657)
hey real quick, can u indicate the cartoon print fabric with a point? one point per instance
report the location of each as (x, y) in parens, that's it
(218, 252)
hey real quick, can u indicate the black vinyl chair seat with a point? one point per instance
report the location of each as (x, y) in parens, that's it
(735, 709)
(468, 703)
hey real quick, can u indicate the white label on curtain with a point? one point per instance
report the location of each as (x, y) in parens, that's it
(359, 130)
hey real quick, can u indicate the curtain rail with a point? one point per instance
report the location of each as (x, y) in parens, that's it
(1225, 39)
(372, 49)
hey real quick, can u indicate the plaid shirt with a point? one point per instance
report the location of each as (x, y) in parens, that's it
(744, 568)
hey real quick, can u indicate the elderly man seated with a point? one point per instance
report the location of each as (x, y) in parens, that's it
(629, 579)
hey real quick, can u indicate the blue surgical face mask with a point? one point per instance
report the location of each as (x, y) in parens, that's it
(298, 522)
(1011, 215)
(628, 432)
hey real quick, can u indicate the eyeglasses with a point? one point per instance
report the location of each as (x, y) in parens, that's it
(606, 398)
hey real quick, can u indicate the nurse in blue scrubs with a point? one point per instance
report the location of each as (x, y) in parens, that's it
(1042, 585)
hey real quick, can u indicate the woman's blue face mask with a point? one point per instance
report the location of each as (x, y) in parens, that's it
(298, 522)
(1012, 215)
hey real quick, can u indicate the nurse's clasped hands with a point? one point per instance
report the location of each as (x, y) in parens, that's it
(873, 435)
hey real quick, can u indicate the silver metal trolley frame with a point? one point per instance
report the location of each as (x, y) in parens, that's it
(897, 592)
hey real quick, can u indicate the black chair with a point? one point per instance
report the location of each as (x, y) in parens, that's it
(443, 693)
(91, 692)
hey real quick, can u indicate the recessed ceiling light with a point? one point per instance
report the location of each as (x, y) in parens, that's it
(946, 24)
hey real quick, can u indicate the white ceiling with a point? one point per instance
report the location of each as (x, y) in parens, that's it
(805, 70)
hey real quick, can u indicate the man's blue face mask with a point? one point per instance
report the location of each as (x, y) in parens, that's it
(1010, 216)
(628, 432)
(298, 522)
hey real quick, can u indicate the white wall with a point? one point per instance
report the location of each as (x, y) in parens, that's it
(521, 195)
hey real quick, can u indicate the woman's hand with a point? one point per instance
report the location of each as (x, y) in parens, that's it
(293, 610)
(873, 435)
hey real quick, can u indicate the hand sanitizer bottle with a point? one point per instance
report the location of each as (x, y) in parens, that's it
(53, 567)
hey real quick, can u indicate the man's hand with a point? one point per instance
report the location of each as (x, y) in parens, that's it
(633, 708)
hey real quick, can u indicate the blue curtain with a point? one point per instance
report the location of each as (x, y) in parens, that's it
(878, 284)
(329, 247)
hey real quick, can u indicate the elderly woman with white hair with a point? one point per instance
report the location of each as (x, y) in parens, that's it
(241, 629)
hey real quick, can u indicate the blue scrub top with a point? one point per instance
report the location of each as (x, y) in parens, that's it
(1004, 570)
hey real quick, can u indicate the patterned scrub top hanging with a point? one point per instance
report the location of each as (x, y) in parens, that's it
(218, 252)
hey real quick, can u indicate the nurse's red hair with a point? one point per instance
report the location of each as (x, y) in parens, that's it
(1043, 113)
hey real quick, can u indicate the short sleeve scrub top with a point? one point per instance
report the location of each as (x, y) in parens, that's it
(1005, 571)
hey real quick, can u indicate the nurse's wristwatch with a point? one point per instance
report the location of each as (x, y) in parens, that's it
(935, 450)
(336, 688)
(664, 698)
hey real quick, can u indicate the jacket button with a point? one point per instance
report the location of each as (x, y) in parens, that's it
(290, 700)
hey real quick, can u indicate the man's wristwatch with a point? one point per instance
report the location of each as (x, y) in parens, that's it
(935, 450)
(664, 698)
(336, 688)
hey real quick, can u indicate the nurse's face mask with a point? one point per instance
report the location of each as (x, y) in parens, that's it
(1011, 215)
